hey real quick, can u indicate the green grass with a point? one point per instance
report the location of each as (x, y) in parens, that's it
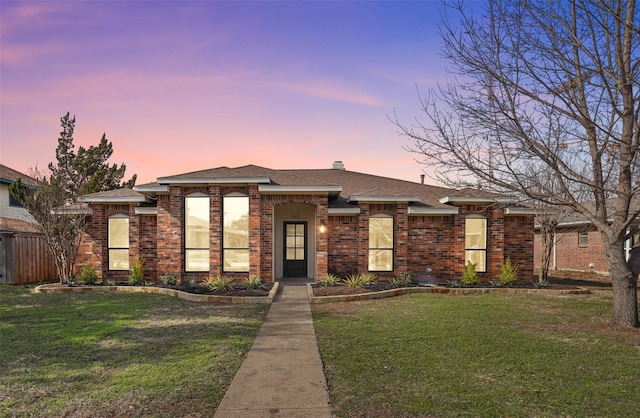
(118, 354)
(487, 355)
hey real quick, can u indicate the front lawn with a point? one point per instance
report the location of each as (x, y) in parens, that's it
(118, 354)
(487, 355)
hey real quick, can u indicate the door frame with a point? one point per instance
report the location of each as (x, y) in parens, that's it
(305, 261)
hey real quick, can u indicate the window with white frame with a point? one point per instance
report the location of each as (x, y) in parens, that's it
(118, 242)
(380, 243)
(583, 237)
(235, 233)
(475, 242)
(196, 230)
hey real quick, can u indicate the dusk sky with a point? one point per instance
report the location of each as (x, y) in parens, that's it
(185, 86)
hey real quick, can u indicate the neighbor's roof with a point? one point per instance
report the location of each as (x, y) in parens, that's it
(10, 225)
(343, 186)
(124, 195)
(9, 175)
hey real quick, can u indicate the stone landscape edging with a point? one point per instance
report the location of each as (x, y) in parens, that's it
(57, 288)
(437, 289)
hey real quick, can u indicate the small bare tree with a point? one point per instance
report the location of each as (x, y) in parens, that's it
(60, 222)
(549, 84)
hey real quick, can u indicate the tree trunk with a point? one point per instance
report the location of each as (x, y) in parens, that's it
(547, 246)
(625, 285)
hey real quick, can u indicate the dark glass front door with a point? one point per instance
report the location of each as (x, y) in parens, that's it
(295, 249)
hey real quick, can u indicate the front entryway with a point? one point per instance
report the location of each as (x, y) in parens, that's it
(295, 249)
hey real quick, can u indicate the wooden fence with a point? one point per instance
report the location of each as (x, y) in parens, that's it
(25, 258)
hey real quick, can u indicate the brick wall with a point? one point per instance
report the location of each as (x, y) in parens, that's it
(570, 255)
(430, 246)
(518, 244)
(343, 245)
(420, 242)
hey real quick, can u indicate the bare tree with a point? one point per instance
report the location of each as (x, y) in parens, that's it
(552, 84)
(61, 224)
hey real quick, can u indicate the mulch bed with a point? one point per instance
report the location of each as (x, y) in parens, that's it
(238, 290)
(319, 290)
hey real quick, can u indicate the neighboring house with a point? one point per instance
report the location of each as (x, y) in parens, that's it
(272, 224)
(578, 246)
(24, 257)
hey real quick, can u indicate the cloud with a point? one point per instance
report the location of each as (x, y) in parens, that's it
(331, 90)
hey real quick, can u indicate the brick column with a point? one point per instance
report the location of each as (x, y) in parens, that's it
(401, 238)
(215, 231)
(363, 238)
(170, 232)
(255, 241)
(266, 240)
(322, 241)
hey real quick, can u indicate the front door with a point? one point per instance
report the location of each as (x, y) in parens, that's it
(295, 249)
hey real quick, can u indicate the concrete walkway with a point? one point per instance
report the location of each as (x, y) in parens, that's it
(282, 375)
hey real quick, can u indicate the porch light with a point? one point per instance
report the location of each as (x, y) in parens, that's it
(322, 228)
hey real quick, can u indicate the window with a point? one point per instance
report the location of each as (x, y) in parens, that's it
(381, 243)
(475, 242)
(13, 202)
(196, 229)
(583, 237)
(235, 233)
(118, 242)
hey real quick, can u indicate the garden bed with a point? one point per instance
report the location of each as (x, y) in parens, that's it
(197, 293)
(340, 293)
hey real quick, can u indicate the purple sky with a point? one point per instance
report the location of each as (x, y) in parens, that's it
(185, 86)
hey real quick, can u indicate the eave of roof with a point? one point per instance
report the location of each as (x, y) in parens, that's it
(151, 188)
(382, 198)
(475, 199)
(420, 210)
(213, 180)
(115, 196)
(277, 189)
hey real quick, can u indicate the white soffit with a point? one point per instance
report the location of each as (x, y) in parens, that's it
(375, 198)
(114, 199)
(432, 211)
(155, 188)
(146, 211)
(343, 211)
(519, 211)
(277, 189)
(474, 199)
(214, 180)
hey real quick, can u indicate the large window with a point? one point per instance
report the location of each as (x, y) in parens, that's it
(235, 231)
(475, 242)
(196, 227)
(380, 243)
(118, 242)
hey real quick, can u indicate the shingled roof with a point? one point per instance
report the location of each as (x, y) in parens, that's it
(345, 186)
(9, 175)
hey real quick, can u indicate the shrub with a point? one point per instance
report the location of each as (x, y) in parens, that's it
(540, 284)
(169, 278)
(136, 272)
(508, 272)
(368, 278)
(402, 279)
(329, 279)
(469, 275)
(219, 283)
(253, 282)
(352, 280)
(89, 275)
(189, 283)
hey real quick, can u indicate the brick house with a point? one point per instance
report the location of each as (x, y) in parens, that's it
(270, 223)
(578, 246)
